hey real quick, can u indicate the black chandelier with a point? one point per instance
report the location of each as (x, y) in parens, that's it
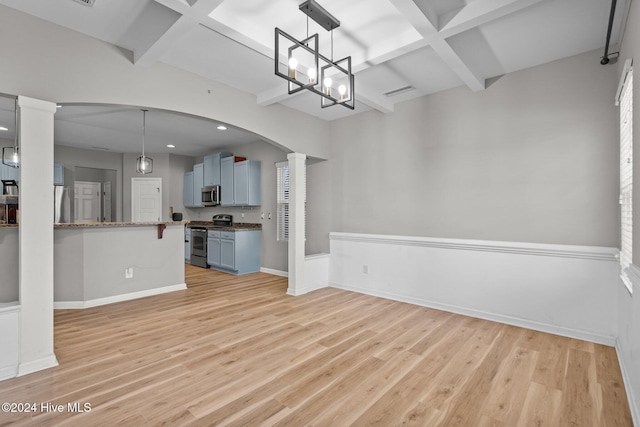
(304, 63)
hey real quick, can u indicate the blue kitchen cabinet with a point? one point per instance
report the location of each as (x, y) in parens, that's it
(213, 168)
(213, 248)
(187, 190)
(247, 183)
(198, 183)
(58, 174)
(226, 181)
(236, 252)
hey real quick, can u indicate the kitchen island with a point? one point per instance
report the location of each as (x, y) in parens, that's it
(100, 263)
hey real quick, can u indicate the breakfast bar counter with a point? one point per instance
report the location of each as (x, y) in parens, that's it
(100, 263)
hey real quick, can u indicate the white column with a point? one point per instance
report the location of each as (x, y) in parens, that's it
(296, 223)
(36, 235)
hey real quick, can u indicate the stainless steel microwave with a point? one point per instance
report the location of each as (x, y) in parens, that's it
(210, 195)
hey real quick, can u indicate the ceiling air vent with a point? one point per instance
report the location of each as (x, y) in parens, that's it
(399, 91)
(86, 2)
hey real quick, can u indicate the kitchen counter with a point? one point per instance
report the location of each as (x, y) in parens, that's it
(116, 224)
(9, 225)
(239, 226)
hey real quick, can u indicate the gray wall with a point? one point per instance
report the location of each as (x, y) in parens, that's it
(533, 159)
(178, 165)
(629, 307)
(9, 290)
(318, 206)
(75, 157)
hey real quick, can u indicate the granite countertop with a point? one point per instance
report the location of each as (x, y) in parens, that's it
(238, 226)
(117, 224)
(9, 225)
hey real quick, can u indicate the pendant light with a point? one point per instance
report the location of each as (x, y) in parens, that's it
(11, 155)
(144, 164)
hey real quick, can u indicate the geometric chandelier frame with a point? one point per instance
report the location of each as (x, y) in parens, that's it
(336, 83)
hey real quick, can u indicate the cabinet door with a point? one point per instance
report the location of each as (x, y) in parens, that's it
(213, 252)
(198, 183)
(58, 174)
(226, 181)
(187, 189)
(227, 254)
(241, 183)
(212, 169)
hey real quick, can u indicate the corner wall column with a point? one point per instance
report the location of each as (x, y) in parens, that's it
(36, 235)
(296, 223)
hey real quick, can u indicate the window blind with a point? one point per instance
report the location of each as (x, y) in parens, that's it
(282, 199)
(626, 175)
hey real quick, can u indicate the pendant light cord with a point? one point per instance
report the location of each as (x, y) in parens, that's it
(144, 128)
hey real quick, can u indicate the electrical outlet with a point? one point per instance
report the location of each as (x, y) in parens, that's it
(242, 215)
(365, 269)
(128, 273)
(269, 215)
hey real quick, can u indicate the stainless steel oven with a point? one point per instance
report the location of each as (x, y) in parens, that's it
(210, 195)
(199, 247)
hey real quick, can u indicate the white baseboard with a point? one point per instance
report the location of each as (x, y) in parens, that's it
(274, 272)
(8, 372)
(633, 406)
(37, 365)
(514, 321)
(71, 305)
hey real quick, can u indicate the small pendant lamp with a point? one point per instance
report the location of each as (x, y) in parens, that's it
(144, 164)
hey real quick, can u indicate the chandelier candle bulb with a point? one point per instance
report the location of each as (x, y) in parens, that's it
(293, 64)
(312, 76)
(327, 86)
(343, 92)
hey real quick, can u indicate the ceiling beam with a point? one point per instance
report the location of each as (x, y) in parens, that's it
(480, 12)
(425, 21)
(191, 17)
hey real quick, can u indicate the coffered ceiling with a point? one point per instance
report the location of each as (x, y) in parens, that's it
(414, 47)
(422, 46)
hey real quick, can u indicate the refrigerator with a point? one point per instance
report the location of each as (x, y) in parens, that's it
(61, 205)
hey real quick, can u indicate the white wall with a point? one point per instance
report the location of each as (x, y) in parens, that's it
(561, 289)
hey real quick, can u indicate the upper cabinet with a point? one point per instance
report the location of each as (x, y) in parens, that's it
(198, 183)
(187, 191)
(246, 183)
(226, 181)
(58, 174)
(212, 168)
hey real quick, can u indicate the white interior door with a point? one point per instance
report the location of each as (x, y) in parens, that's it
(87, 201)
(146, 199)
(106, 202)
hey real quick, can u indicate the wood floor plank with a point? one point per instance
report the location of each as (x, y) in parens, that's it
(238, 351)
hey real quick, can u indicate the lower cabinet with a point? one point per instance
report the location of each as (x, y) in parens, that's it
(236, 252)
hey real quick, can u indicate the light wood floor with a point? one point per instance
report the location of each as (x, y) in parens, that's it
(238, 351)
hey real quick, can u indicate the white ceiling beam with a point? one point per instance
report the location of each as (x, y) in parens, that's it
(191, 17)
(453, 60)
(422, 18)
(479, 12)
(425, 22)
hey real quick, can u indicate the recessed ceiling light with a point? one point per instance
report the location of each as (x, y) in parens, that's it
(58, 106)
(221, 127)
(3, 128)
(171, 146)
